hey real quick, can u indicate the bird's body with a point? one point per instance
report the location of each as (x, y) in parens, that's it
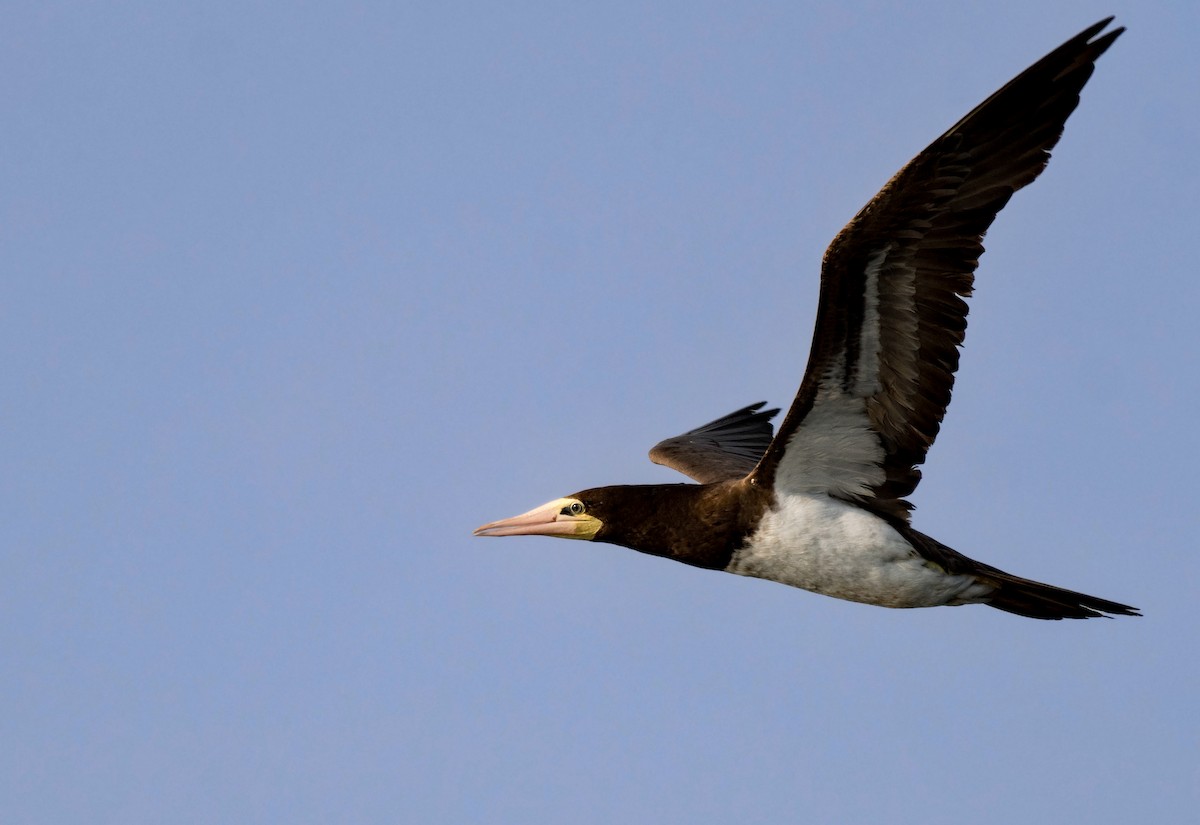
(838, 549)
(822, 504)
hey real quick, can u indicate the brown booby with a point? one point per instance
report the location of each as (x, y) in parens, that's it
(822, 504)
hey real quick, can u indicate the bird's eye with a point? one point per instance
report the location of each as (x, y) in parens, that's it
(573, 509)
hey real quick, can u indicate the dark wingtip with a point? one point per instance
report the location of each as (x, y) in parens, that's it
(752, 409)
(1100, 44)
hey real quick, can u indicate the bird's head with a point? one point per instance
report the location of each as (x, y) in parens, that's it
(572, 517)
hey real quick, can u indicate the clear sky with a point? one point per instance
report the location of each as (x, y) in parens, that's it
(297, 295)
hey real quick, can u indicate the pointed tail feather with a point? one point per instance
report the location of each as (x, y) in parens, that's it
(1044, 601)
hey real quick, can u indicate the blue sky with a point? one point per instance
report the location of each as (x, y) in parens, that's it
(297, 295)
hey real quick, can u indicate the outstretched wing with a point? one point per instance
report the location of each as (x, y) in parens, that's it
(721, 450)
(891, 315)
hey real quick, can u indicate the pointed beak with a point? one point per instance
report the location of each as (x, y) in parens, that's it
(547, 520)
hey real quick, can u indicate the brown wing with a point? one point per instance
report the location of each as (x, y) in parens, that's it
(721, 450)
(891, 315)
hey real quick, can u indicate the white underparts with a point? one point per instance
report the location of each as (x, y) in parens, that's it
(835, 548)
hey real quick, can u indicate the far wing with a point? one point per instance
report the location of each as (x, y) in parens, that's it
(721, 450)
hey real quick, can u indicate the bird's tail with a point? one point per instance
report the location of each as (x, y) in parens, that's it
(1044, 601)
(1014, 594)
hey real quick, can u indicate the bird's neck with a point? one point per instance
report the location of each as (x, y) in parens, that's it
(698, 524)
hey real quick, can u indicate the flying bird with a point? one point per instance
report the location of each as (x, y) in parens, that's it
(821, 505)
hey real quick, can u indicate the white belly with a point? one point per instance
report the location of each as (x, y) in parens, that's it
(834, 548)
